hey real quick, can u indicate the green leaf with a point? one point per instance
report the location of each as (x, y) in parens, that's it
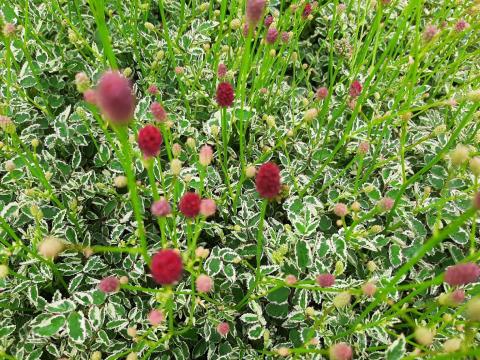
(396, 350)
(214, 265)
(6, 330)
(279, 296)
(395, 255)
(76, 327)
(277, 311)
(48, 325)
(61, 306)
(303, 254)
(255, 332)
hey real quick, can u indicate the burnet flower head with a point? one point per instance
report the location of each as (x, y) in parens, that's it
(115, 97)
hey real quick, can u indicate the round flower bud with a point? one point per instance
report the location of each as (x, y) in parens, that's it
(166, 267)
(223, 328)
(35, 143)
(204, 283)
(123, 280)
(207, 207)
(290, 280)
(452, 345)
(462, 274)
(356, 206)
(355, 89)
(3, 271)
(132, 356)
(342, 299)
(459, 155)
(472, 309)
(322, 93)
(175, 167)
(161, 207)
(155, 317)
(82, 82)
(235, 24)
(120, 181)
(191, 143)
(225, 94)
(363, 147)
(6, 124)
(189, 204)
(475, 166)
(150, 140)
(283, 351)
(132, 332)
(109, 284)
(423, 336)
(250, 171)
(10, 165)
(205, 155)
(51, 247)
(176, 150)
(369, 289)
(340, 351)
(325, 280)
(90, 96)
(310, 114)
(340, 209)
(115, 97)
(158, 112)
(201, 252)
(267, 181)
(97, 355)
(386, 204)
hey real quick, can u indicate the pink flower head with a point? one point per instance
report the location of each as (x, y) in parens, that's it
(90, 96)
(267, 181)
(153, 89)
(386, 204)
(207, 207)
(340, 351)
(369, 289)
(340, 209)
(307, 10)
(161, 208)
(322, 93)
(109, 284)
(155, 317)
(115, 97)
(149, 140)
(462, 274)
(290, 279)
(204, 283)
(9, 29)
(355, 89)
(325, 280)
(246, 28)
(272, 35)
(225, 94)
(457, 296)
(255, 9)
(285, 36)
(221, 70)
(166, 267)
(461, 25)
(268, 21)
(189, 204)
(223, 328)
(363, 147)
(158, 111)
(430, 32)
(205, 155)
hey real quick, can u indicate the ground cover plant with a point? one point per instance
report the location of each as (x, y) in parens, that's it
(241, 179)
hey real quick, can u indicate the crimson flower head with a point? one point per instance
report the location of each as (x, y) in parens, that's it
(109, 284)
(255, 10)
(267, 181)
(325, 280)
(149, 140)
(153, 89)
(462, 274)
(272, 35)
(322, 93)
(190, 204)
(355, 89)
(307, 10)
(115, 97)
(225, 94)
(166, 267)
(158, 111)
(268, 21)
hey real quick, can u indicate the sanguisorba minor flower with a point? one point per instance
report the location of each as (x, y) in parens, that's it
(109, 284)
(205, 156)
(161, 208)
(150, 140)
(325, 280)
(221, 70)
(255, 9)
(225, 94)
(272, 35)
(155, 317)
(355, 89)
(208, 207)
(307, 10)
(51, 247)
(204, 283)
(90, 96)
(462, 274)
(268, 21)
(267, 181)
(322, 93)
(340, 351)
(189, 204)
(158, 112)
(115, 97)
(223, 328)
(166, 267)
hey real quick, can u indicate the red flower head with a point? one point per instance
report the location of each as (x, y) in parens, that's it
(153, 89)
(115, 97)
(322, 93)
(268, 21)
(462, 274)
(267, 181)
(190, 204)
(307, 10)
(285, 36)
(166, 267)
(355, 89)
(325, 280)
(272, 35)
(109, 285)
(225, 94)
(255, 10)
(149, 140)
(158, 111)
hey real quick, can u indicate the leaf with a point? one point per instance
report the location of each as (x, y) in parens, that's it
(277, 311)
(6, 330)
(279, 296)
(303, 255)
(396, 350)
(249, 318)
(48, 325)
(395, 255)
(255, 332)
(61, 306)
(76, 327)
(214, 265)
